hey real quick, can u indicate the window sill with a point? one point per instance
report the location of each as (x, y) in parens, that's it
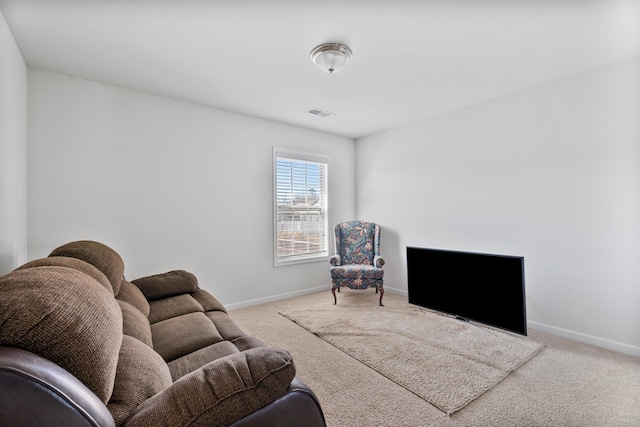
(300, 260)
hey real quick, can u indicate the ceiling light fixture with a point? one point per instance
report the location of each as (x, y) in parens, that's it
(331, 57)
(320, 113)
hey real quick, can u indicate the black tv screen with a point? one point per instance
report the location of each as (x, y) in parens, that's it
(472, 286)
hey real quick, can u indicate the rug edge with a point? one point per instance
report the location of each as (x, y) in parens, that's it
(507, 373)
(534, 352)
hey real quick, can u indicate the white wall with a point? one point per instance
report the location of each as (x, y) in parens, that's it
(169, 185)
(551, 173)
(13, 152)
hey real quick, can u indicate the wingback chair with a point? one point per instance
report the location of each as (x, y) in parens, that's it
(357, 263)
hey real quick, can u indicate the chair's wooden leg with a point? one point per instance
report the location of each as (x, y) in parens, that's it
(333, 291)
(381, 295)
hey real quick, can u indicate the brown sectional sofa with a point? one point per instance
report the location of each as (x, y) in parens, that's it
(80, 345)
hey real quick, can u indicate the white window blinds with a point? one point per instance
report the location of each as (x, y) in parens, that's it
(300, 206)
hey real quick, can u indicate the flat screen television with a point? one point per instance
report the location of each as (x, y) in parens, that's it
(478, 287)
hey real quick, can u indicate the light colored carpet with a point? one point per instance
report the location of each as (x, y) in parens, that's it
(568, 383)
(445, 361)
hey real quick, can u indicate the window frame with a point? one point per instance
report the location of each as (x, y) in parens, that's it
(302, 156)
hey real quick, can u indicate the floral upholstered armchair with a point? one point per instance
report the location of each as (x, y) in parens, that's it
(357, 263)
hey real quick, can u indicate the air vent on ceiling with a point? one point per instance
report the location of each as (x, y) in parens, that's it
(320, 113)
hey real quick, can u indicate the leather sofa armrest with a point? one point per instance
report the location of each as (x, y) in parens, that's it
(297, 404)
(35, 391)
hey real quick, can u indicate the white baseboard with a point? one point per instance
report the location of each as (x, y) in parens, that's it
(566, 333)
(397, 291)
(585, 338)
(271, 298)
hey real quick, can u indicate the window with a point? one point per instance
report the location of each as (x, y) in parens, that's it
(301, 206)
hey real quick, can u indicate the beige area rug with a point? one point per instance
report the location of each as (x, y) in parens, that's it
(446, 362)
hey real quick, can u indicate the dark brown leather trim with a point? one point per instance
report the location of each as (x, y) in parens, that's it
(298, 406)
(35, 391)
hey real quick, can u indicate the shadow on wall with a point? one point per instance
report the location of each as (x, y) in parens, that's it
(7, 264)
(394, 256)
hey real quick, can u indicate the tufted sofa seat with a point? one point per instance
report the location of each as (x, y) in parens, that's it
(80, 345)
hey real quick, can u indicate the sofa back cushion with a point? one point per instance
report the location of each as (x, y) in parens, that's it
(140, 375)
(75, 263)
(165, 285)
(66, 316)
(97, 254)
(131, 294)
(135, 324)
(168, 308)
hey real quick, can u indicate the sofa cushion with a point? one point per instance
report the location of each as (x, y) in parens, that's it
(66, 316)
(141, 374)
(135, 324)
(221, 392)
(167, 284)
(166, 308)
(179, 336)
(225, 325)
(131, 294)
(97, 254)
(247, 343)
(193, 361)
(356, 271)
(208, 301)
(75, 263)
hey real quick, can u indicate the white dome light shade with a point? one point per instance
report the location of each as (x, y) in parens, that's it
(331, 57)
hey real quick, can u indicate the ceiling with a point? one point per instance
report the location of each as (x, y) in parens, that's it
(412, 59)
